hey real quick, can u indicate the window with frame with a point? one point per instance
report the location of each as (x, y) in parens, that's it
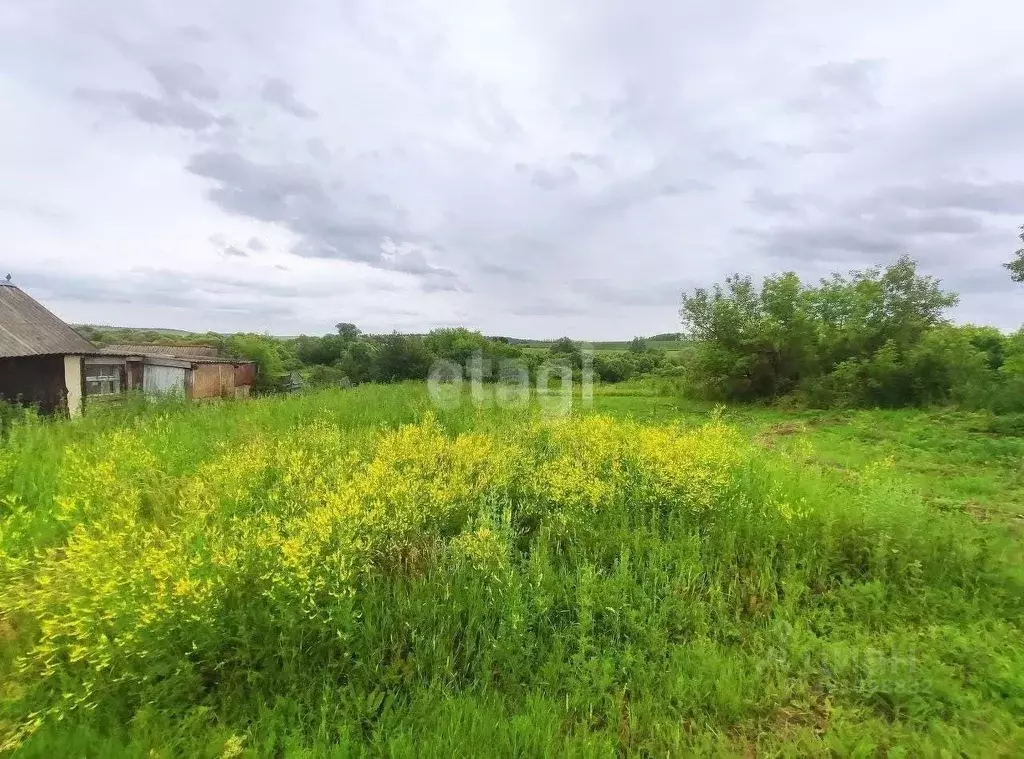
(104, 379)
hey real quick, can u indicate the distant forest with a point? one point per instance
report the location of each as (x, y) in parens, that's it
(880, 337)
(350, 356)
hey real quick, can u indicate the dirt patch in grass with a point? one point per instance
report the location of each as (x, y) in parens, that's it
(978, 511)
(8, 634)
(768, 436)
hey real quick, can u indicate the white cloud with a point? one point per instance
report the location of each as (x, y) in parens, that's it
(521, 167)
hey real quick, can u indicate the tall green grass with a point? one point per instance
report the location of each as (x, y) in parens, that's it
(588, 587)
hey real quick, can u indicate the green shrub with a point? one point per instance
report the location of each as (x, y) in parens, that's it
(874, 338)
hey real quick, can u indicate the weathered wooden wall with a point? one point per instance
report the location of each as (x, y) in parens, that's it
(133, 375)
(35, 380)
(213, 381)
(245, 375)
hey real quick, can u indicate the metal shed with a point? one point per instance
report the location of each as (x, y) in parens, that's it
(194, 371)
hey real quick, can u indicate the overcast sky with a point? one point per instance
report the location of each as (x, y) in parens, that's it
(521, 167)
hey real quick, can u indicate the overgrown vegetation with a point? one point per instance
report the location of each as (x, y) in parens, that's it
(1016, 266)
(877, 337)
(354, 572)
(350, 356)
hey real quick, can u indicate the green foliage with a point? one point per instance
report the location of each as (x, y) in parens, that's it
(265, 351)
(564, 346)
(339, 573)
(347, 331)
(1009, 392)
(397, 357)
(460, 345)
(133, 336)
(349, 352)
(11, 414)
(327, 376)
(871, 338)
(400, 357)
(619, 366)
(350, 355)
(1016, 266)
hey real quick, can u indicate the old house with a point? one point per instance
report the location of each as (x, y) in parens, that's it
(41, 357)
(191, 371)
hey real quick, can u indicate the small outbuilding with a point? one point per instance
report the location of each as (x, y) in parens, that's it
(41, 357)
(188, 370)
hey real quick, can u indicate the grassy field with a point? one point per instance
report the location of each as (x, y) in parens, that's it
(357, 572)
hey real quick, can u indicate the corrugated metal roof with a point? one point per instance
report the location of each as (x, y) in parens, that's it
(197, 354)
(28, 329)
(175, 351)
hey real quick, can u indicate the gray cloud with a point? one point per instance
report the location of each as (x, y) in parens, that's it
(660, 182)
(849, 85)
(548, 180)
(181, 79)
(604, 293)
(282, 94)
(159, 288)
(293, 196)
(505, 273)
(549, 307)
(156, 111)
(180, 290)
(731, 160)
(1005, 197)
(180, 86)
(950, 228)
(837, 241)
(766, 200)
(592, 160)
(194, 33)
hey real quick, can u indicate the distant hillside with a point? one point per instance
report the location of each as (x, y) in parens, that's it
(669, 341)
(102, 334)
(110, 328)
(105, 335)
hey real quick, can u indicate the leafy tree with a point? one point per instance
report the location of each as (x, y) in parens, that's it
(637, 345)
(754, 343)
(860, 313)
(456, 344)
(459, 345)
(265, 352)
(357, 360)
(989, 341)
(1010, 391)
(348, 332)
(617, 366)
(1016, 266)
(319, 351)
(833, 340)
(400, 357)
(564, 345)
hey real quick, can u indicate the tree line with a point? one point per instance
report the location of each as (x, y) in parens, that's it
(876, 337)
(351, 356)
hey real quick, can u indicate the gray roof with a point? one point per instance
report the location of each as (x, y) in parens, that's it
(28, 329)
(176, 351)
(196, 354)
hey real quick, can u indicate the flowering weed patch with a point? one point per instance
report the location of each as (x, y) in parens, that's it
(298, 575)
